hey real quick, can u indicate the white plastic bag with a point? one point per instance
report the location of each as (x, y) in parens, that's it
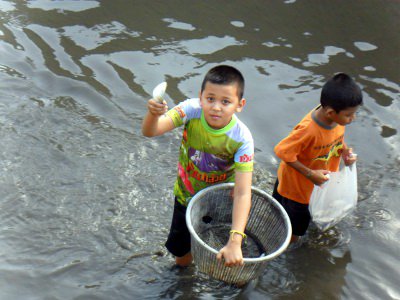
(336, 198)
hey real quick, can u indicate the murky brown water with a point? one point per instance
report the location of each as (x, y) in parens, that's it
(85, 200)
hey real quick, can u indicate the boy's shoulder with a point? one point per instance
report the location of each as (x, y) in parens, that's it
(312, 127)
(242, 129)
(185, 110)
(191, 107)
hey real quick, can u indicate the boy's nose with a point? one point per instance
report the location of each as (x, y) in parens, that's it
(216, 106)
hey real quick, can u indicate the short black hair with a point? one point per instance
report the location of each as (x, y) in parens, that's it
(225, 75)
(341, 92)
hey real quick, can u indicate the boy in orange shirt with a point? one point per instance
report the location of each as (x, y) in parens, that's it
(314, 148)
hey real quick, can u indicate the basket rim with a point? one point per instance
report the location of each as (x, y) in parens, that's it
(285, 216)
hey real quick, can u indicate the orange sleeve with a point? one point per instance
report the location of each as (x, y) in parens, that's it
(289, 148)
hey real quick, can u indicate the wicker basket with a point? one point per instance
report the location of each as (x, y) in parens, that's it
(209, 218)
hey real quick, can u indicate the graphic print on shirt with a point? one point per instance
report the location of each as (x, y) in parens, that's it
(335, 151)
(207, 162)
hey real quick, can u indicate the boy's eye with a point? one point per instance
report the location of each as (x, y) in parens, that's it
(226, 101)
(210, 99)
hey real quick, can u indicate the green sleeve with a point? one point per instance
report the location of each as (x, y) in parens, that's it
(176, 119)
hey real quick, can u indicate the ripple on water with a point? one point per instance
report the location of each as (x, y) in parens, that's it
(364, 222)
(367, 217)
(332, 238)
(373, 187)
(380, 214)
(278, 278)
(179, 282)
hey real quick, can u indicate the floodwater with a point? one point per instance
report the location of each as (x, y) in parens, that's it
(86, 201)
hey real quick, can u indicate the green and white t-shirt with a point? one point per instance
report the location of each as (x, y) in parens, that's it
(208, 156)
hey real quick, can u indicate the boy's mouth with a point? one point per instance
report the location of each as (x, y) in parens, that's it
(215, 117)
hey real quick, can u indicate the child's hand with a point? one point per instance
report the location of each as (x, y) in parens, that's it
(349, 157)
(156, 108)
(232, 252)
(319, 177)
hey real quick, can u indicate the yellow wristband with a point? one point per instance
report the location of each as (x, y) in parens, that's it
(232, 232)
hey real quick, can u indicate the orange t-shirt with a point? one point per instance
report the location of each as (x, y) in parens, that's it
(316, 146)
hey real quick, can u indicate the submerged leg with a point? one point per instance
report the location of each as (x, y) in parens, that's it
(185, 260)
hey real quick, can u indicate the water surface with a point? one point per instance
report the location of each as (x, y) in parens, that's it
(86, 201)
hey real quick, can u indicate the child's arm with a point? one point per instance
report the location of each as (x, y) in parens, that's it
(156, 122)
(232, 252)
(293, 145)
(316, 176)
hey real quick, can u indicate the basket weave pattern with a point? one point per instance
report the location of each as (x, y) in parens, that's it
(209, 217)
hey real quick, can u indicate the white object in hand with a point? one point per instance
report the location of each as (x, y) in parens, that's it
(159, 91)
(325, 183)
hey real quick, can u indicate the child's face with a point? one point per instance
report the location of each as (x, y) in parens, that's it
(345, 117)
(219, 102)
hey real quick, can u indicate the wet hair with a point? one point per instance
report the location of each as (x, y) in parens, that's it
(341, 92)
(225, 75)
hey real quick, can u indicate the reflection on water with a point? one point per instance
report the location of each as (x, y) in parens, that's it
(86, 201)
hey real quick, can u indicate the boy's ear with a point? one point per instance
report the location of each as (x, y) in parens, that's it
(242, 103)
(329, 111)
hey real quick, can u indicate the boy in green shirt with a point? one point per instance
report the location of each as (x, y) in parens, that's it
(216, 147)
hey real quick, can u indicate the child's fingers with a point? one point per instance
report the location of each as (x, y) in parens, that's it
(156, 108)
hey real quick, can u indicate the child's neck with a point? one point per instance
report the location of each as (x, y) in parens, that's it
(321, 116)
